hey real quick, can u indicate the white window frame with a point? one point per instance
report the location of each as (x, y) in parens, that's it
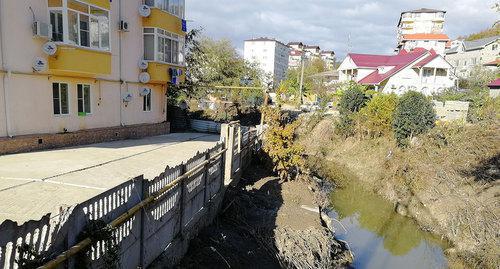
(144, 102)
(161, 33)
(179, 10)
(83, 99)
(64, 9)
(68, 96)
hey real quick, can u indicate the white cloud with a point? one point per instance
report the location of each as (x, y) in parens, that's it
(328, 23)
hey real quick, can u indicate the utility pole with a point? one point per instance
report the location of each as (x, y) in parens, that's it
(301, 77)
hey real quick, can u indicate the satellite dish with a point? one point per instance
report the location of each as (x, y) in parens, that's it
(143, 64)
(144, 77)
(144, 11)
(40, 64)
(144, 91)
(127, 97)
(50, 48)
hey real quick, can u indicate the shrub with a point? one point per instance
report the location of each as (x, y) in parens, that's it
(352, 100)
(414, 115)
(376, 118)
(280, 145)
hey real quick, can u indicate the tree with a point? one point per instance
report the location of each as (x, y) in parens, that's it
(414, 115)
(280, 144)
(351, 101)
(376, 117)
(213, 63)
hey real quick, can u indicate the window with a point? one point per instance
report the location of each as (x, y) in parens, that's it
(175, 7)
(83, 99)
(56, 20)
(60, 98)
(86, 25)
(146, 102)
(162, 46)
(428, 72)
(441, 72)
(494, 47)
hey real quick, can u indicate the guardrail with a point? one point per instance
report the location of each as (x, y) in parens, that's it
(149, 217)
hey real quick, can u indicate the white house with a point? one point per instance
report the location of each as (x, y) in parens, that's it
(271, 56)
(419, 70)
(465, 55)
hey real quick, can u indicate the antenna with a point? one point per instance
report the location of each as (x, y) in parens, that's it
(349, 44)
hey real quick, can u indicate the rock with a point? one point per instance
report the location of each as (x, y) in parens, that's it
(450, 251)
(401, 209)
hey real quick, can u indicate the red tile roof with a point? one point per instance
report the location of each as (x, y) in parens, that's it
(426, 37)
(493, 63)
(399, 62)
(495, 83)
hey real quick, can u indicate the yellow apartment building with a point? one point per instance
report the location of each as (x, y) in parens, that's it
(87, 68)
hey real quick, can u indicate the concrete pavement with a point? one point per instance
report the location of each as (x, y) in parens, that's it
(34, 184)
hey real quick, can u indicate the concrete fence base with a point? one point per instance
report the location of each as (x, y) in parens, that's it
(182, 200)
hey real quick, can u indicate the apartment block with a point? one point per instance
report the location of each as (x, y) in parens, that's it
(271, 55)
(422, 28)
(465, 55)
(74, 65)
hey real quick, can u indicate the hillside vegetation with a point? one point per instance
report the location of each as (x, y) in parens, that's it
(493, 31)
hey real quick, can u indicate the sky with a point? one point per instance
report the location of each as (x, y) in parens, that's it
(371, 25)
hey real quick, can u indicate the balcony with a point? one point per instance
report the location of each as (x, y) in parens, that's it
(164, 20)
(159, 72)
(77, 61)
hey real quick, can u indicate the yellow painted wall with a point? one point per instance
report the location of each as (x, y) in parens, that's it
(100, 3)
(80, 62)
(159, 72)
(164, 20)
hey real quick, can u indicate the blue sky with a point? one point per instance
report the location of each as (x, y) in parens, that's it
(328, 23)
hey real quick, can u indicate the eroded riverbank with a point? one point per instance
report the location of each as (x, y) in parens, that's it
(268, 224)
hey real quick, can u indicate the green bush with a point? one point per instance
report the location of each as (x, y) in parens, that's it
(376, 118)
(351, 101)
(414, 115)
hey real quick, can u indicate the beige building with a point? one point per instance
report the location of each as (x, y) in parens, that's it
(73, 65)
(465, 55)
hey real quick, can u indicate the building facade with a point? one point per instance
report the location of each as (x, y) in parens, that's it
(465, 55)
(328, 56)
(422, 28)
(272, 57)
(418, 70)
(73, 65)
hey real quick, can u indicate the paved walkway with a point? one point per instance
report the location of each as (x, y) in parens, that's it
(33, 184)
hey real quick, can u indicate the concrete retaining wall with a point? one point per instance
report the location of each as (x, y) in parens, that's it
(27, 143)
(161, 229)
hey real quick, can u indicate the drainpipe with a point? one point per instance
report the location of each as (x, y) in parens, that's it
(5, 67)
(120, 61)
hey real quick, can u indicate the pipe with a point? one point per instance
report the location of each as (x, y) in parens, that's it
(5, 66)
(120, 61)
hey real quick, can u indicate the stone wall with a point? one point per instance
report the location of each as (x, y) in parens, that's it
(27, 143)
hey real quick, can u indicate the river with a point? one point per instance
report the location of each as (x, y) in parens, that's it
(379, 237)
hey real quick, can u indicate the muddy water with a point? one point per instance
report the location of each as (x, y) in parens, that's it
(379, 237)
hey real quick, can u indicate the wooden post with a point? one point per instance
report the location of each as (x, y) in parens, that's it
(206, 177)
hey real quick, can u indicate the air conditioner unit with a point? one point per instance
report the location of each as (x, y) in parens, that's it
(42, 30)
(123, 26)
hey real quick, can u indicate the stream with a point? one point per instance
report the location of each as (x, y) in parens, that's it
(378, 236)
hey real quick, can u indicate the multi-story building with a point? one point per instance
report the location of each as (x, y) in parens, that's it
(312, 52)
(73, 65)
(328, 57)
(422, 28)
(418, 70)
(296, 54)
(465, 55)
(272, 57)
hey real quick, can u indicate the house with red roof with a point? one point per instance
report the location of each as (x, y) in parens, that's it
(494, 88)
(419, 70)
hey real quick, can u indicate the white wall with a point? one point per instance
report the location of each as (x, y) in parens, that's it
(271, 56)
